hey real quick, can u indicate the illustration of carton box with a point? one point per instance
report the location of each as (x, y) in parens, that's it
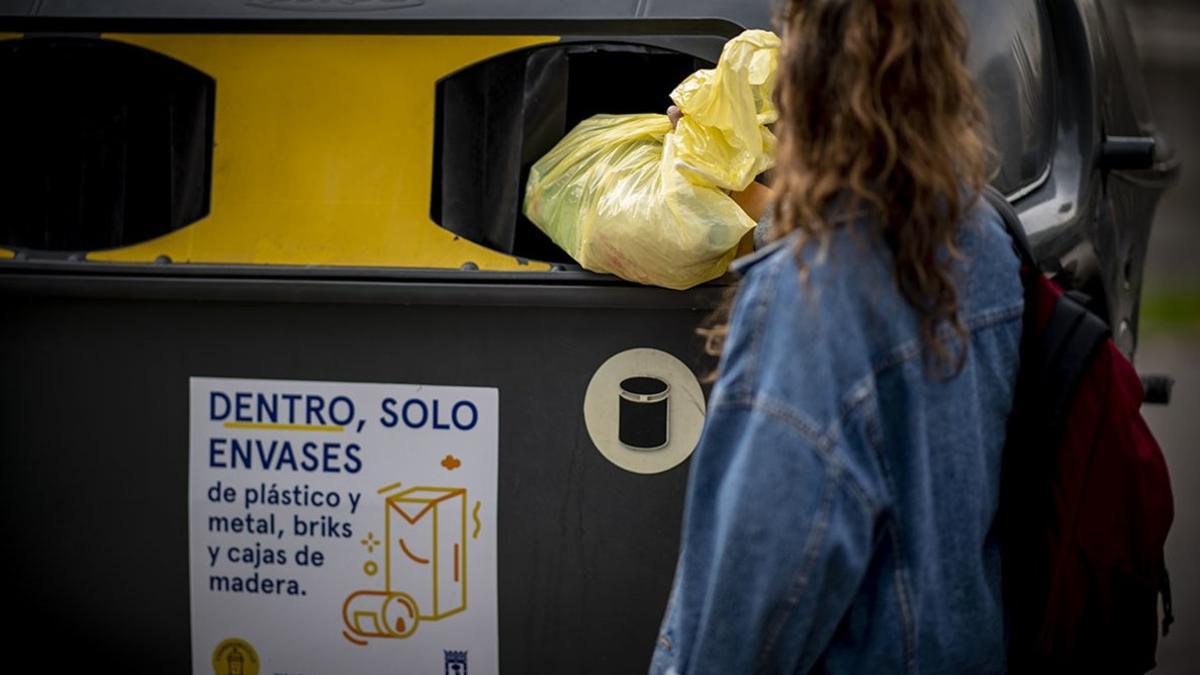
(427, 549)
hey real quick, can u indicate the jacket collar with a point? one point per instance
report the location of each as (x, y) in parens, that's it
(745, 262)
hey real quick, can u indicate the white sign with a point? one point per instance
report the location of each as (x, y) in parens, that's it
(342, 529)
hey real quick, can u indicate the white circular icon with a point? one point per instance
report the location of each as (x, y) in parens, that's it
(644, 410)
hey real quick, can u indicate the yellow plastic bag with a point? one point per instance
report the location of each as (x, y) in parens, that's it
(627, 195)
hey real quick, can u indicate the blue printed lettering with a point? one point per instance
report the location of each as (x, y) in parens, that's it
(213, 398)
(347, 405)
(389, 418)
(470, 408)
(419, 405)
(216, 453)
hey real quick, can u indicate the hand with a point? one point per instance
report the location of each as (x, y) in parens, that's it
(755, 199)
(674, 114)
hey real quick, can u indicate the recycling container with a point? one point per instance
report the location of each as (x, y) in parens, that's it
(312, 209)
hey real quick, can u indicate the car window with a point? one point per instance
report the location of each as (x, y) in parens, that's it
(1012, 58)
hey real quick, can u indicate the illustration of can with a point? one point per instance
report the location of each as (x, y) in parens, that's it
(380, 614)
(643, 420)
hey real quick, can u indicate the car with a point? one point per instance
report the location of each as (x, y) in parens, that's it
(321, 198)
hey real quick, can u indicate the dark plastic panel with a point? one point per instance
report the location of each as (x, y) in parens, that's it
(105, 144)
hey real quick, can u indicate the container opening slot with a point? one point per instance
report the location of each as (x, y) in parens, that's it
(494, 119)
(106, 144)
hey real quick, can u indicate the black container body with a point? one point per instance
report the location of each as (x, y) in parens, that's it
(645, 406)
(94, 467)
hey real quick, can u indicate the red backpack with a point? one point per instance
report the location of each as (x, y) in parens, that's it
(1085, 500)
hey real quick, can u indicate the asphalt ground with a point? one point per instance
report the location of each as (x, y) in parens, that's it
(1168, 33)
(1177, 428)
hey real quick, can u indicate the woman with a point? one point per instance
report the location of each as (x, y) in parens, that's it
(841, 506)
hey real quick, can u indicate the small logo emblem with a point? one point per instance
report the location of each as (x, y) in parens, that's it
(456, 662)
(235, 656)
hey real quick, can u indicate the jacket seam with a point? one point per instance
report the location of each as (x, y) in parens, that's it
(800, 581)
(758, 322)
(990, 317)
(756, 315)
(806, 427)
(904, 599)
(859, 394)
(822, 444)
(900, 571)
(911, 348)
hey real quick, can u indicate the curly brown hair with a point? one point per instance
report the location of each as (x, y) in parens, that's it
(879, 115)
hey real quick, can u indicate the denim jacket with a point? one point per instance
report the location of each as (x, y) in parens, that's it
(841, 504)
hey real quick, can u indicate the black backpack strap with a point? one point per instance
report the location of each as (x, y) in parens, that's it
(1012, 223)
(1069, 342)
(1066, 345)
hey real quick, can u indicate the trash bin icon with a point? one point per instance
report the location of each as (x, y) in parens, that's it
(644, 416)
